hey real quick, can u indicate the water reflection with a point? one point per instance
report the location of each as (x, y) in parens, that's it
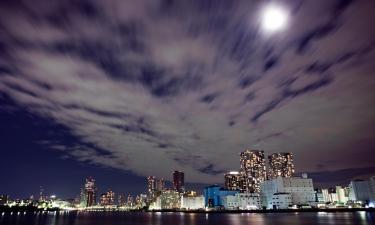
(135, 218)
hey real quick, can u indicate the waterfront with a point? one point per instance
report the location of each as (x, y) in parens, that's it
(158, 218)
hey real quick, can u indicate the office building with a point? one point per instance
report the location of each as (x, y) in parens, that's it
(192, 202)
(168, 199)
(300, 188)
(242, 201)
(213, 195)
(253, 166)
(178, 181)
(360, 191)
(280, 165)
(342, 195)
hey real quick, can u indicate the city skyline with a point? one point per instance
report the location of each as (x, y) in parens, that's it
(123, 90)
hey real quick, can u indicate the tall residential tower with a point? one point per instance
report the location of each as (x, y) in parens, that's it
(253, 167)
(280, 165)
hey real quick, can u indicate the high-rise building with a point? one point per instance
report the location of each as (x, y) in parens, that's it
(235, 180)
(151, 186)
(253, 166)
(280, 165)
(89, 193)
(178, 181)
(107, 198)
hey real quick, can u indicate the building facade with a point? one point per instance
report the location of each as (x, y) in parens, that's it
(300, 188)
(242, 201)
(360, 191)
(235, 180)
(169, 199)
(192, 202)
(280, 165)
(213, 195)
(178, 181)
(253, 167)
(281, 200)
(107, 198)
(88, 193)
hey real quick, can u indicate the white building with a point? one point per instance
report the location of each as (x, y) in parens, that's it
(168, 199)
(360, 191)
(326, 196)
(281, 200)
(341, 195)
(300, 188)
(192, 202)
(242, 201)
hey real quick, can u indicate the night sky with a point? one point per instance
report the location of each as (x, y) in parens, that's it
(120, 90)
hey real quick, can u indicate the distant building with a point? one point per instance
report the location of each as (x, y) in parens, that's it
(301, 190)
(280, 165)
(154, 186)
(372, 188)
(192, 202)
(326, 196)
(4, 199)
(342, 195)
(160, 184)
(242, 201)
(107, 198)
(213, 195)
(235, 180)
(121, 200)
(169, 199)
(178, 181)
(88, 193)
(253, 166)
(151, 186)
(360, 191)
(319, 196)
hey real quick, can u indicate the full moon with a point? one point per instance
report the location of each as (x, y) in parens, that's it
(274, 18)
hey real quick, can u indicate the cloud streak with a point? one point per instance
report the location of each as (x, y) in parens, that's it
(155, 86)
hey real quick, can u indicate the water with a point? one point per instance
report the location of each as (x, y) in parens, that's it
(123, 218)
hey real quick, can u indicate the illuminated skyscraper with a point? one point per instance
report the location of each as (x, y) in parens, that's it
(253, 167)
(108, 198)
(280, 165)
(178, 181)
(235, 180)
(89, 192)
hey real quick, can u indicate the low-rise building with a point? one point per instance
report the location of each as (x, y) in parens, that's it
(213, 195)
(242, 201)
(300, 188)
(192, 202)
(360, 191)
(168, 199)
(281, 200)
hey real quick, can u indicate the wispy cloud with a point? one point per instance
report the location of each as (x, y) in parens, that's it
(155, 86)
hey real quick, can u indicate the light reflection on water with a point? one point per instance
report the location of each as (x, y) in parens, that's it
(122, 218)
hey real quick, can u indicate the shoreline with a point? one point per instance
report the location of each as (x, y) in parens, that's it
(315, 210)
